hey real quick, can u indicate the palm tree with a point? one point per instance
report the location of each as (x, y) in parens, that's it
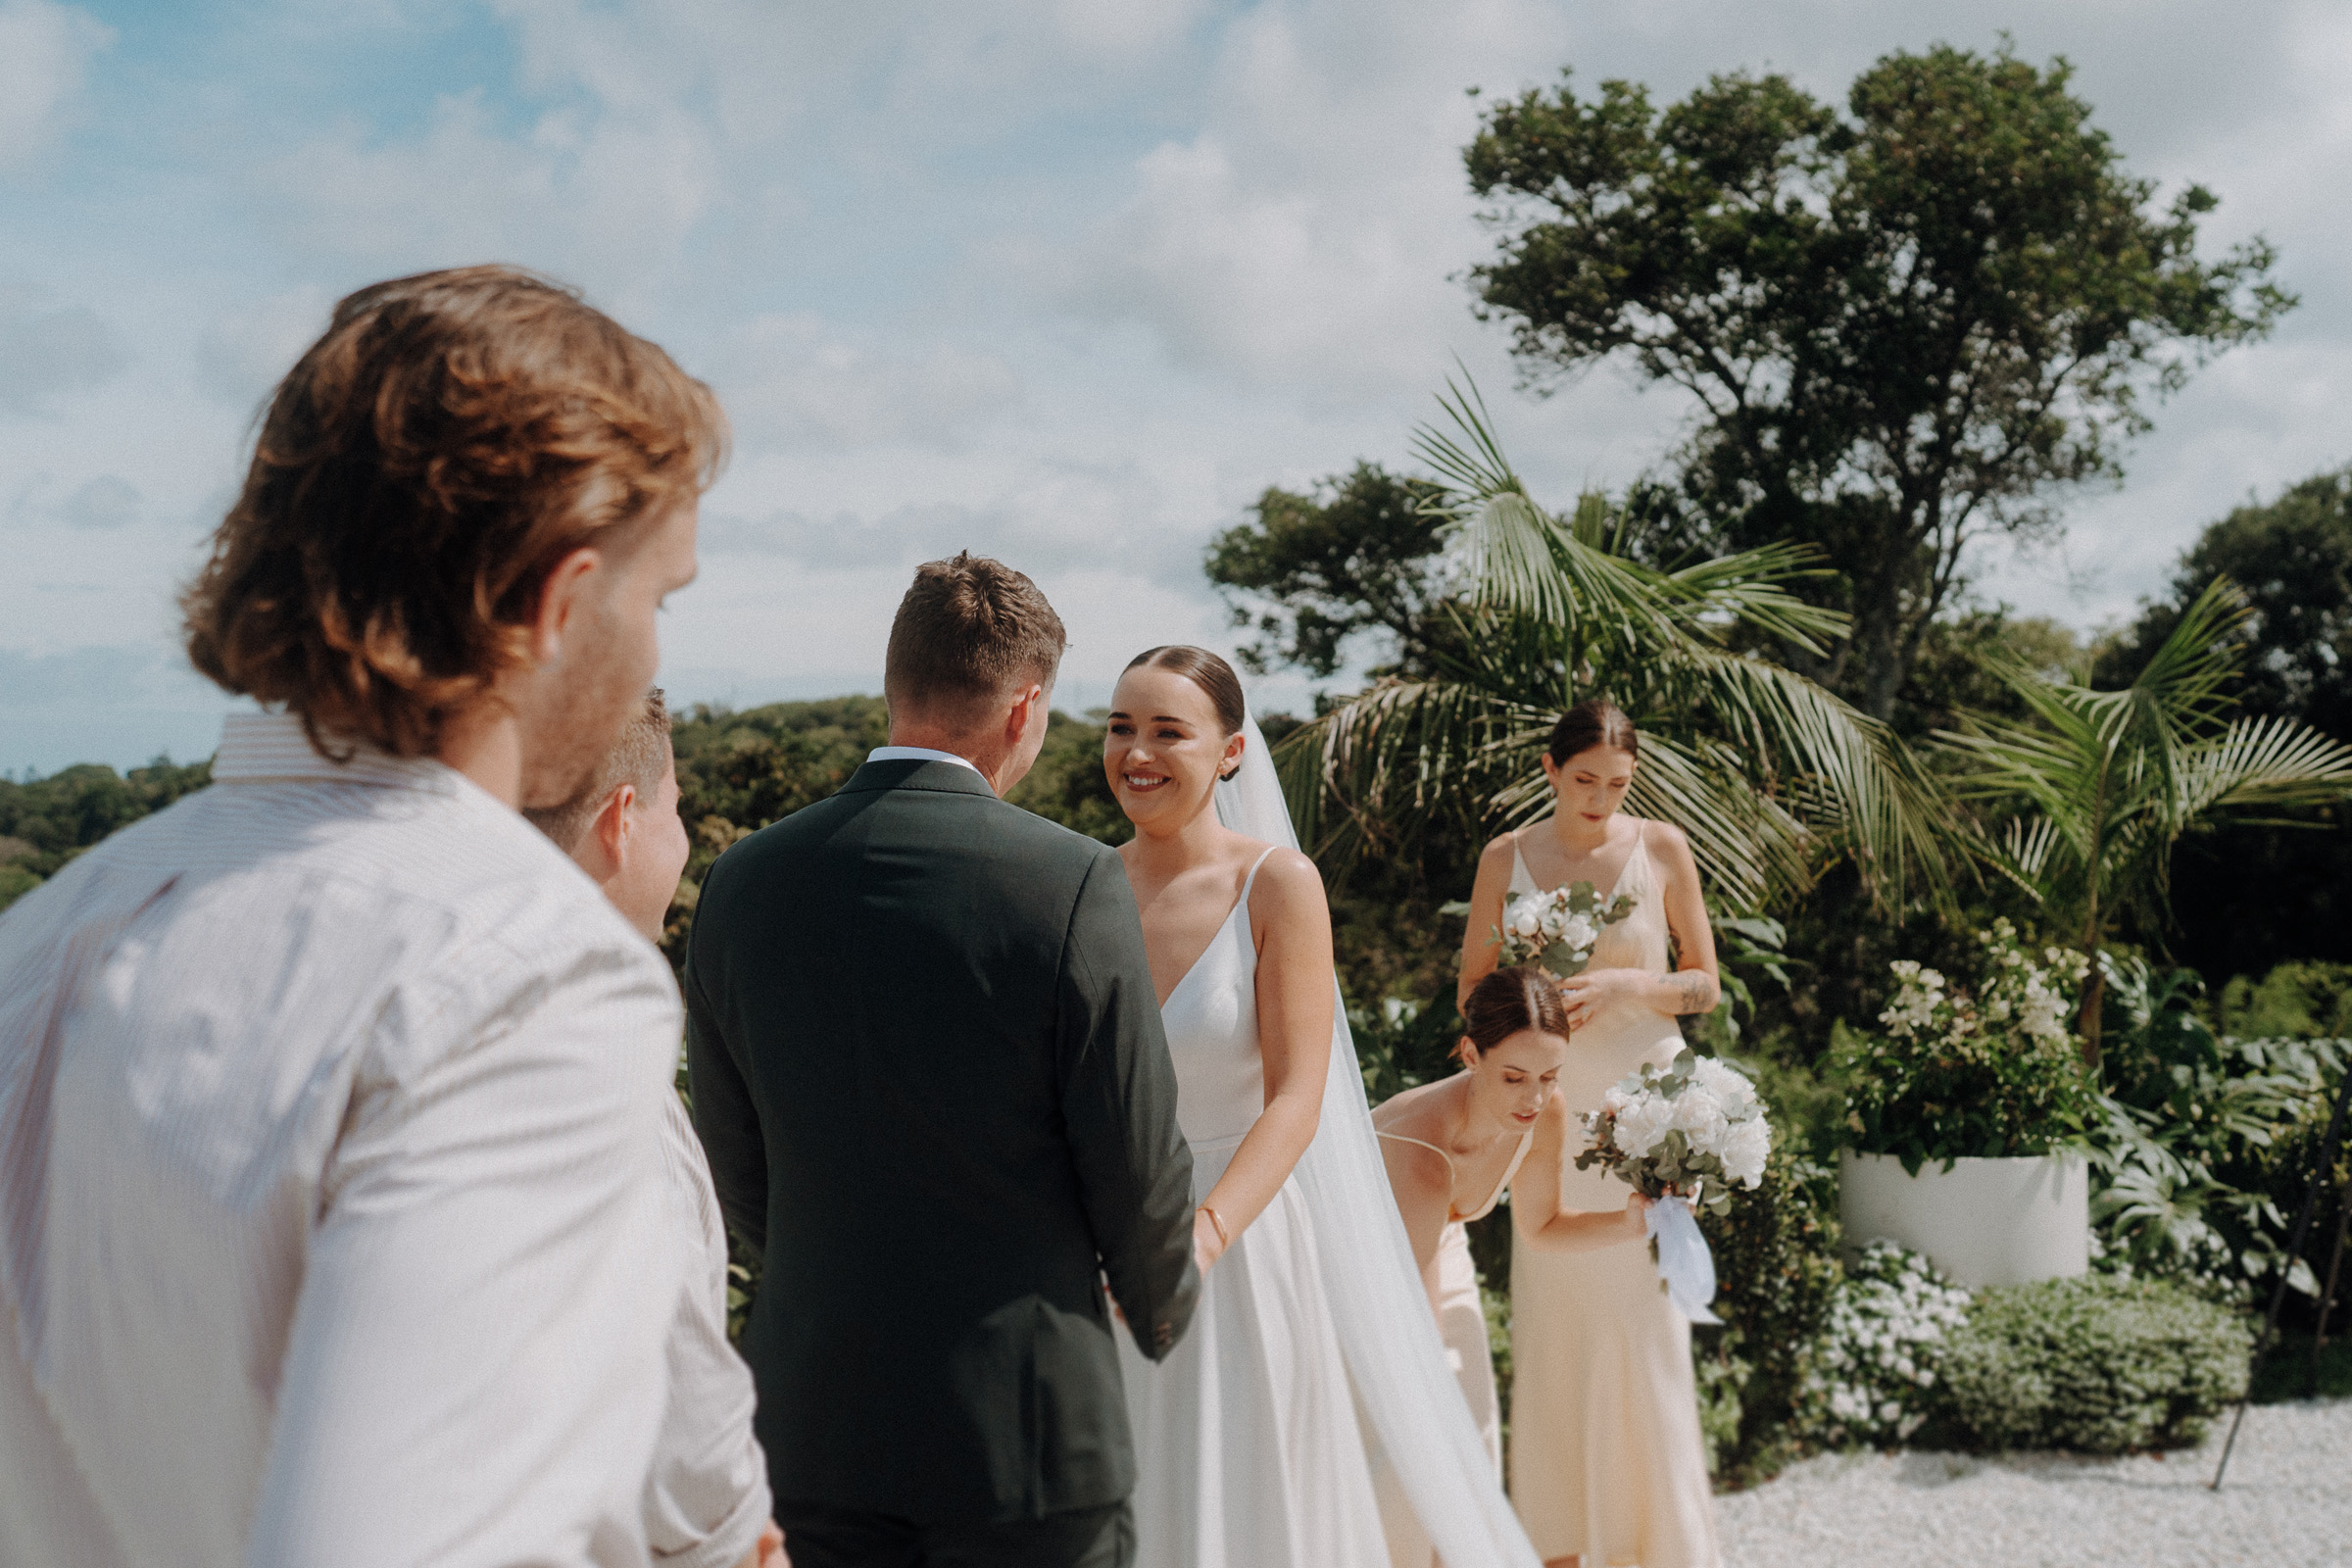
(1768, 772)
(2095, 787)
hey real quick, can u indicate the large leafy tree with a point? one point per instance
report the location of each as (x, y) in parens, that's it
(2091, 790)
(1901, 327)
(1766, 770)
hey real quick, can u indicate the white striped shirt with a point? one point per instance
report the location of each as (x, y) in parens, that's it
(340, 1216)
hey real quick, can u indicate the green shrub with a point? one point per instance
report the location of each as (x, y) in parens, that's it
(2096, 1364)
(1776, 1273)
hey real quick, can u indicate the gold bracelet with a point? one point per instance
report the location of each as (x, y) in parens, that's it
(1217, 1223)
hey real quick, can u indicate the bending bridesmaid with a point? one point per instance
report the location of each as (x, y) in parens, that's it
(1451, 1148)
(1607, 1464)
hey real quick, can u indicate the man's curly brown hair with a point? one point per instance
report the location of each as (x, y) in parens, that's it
(417, 474)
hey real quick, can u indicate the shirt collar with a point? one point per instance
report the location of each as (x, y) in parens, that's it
(257, 747)
(918, 754)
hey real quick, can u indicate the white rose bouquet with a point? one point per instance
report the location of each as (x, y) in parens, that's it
(1682, 1134)
(1559, 928)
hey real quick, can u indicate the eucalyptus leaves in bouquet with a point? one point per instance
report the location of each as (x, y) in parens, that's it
(1986, 1066)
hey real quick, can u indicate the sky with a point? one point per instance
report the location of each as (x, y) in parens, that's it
(1070, 282)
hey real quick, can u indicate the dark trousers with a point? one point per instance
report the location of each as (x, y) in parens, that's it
(847, 1537)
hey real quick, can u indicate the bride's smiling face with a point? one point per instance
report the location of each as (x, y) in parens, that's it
(1511, 1084)
(1164, 747)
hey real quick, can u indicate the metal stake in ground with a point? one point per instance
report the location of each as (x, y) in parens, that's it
(2320, 1178)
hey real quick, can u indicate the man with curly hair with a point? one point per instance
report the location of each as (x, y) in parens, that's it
(332, 1196)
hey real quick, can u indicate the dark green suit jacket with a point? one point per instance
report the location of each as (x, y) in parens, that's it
(928, 1070)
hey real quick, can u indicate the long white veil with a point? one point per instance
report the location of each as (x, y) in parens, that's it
(1388, 1337)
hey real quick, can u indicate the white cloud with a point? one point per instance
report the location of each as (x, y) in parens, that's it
(48, 351)
(244, 351)
(45, 55)
(109, 500)
(588, 194)
(789, 381)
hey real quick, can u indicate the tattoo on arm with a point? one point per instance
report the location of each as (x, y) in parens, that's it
(1689, 989)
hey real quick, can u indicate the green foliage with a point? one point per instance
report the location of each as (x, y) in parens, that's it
(1354, 558)
(2292, 558)
(2096, 1364)
(1901, 327)
(2208, 1140)
(1067, 785)
(2297, 1001)
(44, 822)
(1984, 1068)
(1777, 1271)
(2091, 794)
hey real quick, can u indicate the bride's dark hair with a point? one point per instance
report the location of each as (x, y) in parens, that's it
(1594, 721)
(1523, 997)
(1206, 670)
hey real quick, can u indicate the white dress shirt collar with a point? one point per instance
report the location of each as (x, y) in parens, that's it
(919, 753)
(259, 747)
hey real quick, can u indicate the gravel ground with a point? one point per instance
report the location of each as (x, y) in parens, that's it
(2287, 1504)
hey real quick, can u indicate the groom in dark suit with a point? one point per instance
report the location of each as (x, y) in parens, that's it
(928, 1070)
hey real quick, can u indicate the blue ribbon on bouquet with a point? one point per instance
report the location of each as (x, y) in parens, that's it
(1683, 1261)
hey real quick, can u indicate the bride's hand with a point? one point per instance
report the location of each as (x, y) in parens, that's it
(1637, 1218)
(1588, 993)
(1207, 1248)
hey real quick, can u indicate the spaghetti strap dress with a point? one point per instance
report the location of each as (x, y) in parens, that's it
(1607, 1462)
(1247, 1452)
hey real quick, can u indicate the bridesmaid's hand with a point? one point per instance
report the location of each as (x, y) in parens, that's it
(1588, 993)
(1207, 1248)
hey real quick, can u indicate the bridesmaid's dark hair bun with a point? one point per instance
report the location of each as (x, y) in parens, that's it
(1511, 1001)
(1207, 671)
(1594, 721)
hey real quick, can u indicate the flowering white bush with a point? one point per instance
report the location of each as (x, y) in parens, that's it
(1558, 929)
(1881, 1350)
(2018, 993)
(1694, 1129)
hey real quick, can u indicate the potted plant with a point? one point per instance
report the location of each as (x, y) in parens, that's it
(1968, 1113)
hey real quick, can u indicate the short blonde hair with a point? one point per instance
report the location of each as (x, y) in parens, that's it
(639, 758)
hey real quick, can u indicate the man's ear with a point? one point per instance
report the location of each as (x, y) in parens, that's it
(560, 600)
(1027, 709)
(611, 829)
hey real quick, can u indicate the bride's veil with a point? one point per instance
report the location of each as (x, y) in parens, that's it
(1396, 1360)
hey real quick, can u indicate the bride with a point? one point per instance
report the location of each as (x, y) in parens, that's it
(1250, 1450)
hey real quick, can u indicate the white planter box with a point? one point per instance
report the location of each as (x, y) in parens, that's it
(1984, 1221)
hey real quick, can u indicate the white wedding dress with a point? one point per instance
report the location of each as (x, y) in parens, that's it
(1247, 1455)
(1312, 1359)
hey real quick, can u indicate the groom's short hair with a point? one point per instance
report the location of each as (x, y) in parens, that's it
(418, 473)
(969, 631)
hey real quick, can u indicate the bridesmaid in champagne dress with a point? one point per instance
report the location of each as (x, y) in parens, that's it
(1607, 1464)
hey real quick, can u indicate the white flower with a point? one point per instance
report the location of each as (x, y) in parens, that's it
(1523, 920)
(1744, 1150)
(1578, 932)
(1698, 1116)
(1643, 1124)
(1730, 1086)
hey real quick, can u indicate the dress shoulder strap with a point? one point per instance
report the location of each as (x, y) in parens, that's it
(1250, 880)
(1521, 876)
(1403, 1138)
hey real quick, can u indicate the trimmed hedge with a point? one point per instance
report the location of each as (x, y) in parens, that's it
(2096, 1364)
